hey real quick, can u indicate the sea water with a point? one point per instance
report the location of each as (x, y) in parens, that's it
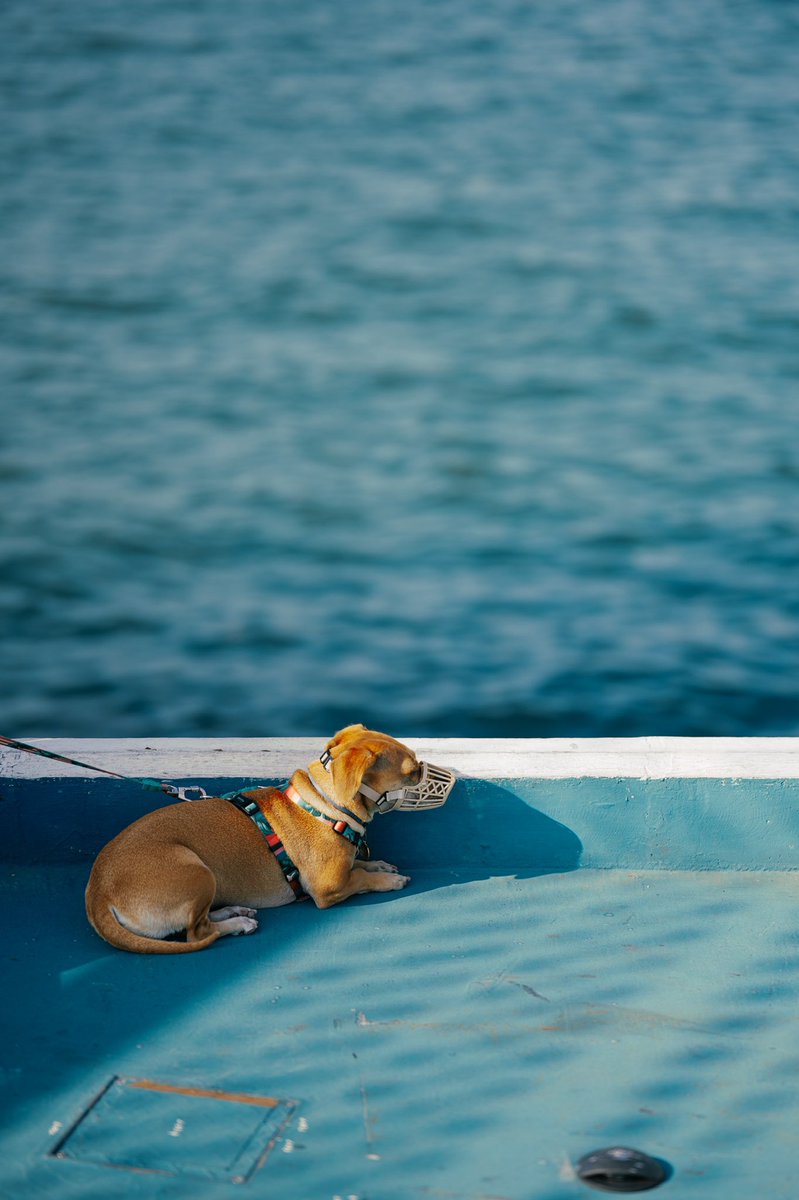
(433, 364)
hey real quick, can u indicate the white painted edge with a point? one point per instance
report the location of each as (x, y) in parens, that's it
(484, 758)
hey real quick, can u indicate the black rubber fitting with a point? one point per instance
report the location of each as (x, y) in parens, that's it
(621, 1169)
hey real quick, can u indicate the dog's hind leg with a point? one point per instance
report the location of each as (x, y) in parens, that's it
(181, 899)
(242, 920)
(233, 910)
(201, 922)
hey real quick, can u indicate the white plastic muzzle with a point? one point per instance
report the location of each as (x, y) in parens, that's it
(435, 784)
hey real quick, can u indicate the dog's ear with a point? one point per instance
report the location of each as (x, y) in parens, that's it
(348, 769)
(344, 733)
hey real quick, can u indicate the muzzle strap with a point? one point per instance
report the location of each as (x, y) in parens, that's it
(433, 788)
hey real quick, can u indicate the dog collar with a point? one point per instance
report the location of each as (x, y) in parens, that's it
(356, 820)
(344, 830)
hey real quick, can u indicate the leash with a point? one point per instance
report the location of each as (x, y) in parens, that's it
(153, 785)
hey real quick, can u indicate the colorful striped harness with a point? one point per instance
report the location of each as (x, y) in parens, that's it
(250, 807)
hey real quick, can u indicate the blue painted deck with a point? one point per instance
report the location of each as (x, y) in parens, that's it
(527, 999)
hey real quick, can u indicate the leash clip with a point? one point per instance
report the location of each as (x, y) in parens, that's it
(181, 793)
(201, 793)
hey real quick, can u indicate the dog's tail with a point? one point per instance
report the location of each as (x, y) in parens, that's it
(104, 921)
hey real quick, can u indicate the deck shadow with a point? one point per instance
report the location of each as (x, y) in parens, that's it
(483, 826)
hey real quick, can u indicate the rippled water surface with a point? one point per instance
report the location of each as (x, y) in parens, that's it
(430, 364)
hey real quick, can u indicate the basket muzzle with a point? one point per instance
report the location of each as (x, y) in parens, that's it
(433, 788)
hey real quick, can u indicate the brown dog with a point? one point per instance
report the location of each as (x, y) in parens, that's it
(206, 866)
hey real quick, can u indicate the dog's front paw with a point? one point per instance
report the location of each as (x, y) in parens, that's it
(378, 865)
(392, 882)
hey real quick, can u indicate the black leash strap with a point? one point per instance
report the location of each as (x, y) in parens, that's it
(158, 785)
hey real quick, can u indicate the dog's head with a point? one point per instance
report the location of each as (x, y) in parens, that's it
(382, 773)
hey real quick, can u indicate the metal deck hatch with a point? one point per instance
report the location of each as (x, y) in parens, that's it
(162, 1128)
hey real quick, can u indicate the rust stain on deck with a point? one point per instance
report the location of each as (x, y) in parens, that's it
(577, 1018)
(210, 1093)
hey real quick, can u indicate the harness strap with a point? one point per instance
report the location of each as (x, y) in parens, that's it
(250, 809)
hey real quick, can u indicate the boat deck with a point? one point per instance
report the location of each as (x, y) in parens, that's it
(468, 1038)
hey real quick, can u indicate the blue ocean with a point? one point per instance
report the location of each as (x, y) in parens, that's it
(430, 364)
